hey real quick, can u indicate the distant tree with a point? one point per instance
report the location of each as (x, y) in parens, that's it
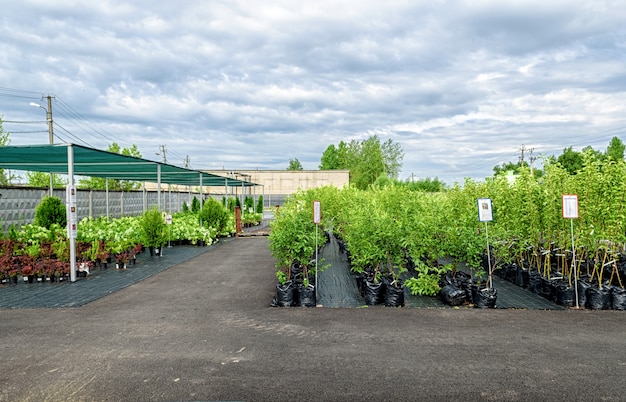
(370, 163)
(366, 159)
(571, 160)
(42, 179)
(294, 164)
(330, 159)
(509, 167)
(615, 150)
(99, 183)
(427, 185)
(392, 158)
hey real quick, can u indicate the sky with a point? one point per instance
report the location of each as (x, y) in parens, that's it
(461, 86)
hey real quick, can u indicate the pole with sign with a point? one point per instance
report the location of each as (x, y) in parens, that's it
(168, 221)
(570, 211)
(485, 214)
(317, 218)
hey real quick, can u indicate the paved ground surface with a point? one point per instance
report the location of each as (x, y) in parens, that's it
(203, 330)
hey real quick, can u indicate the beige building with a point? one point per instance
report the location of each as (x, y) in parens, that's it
(274, 185)
(287, 181)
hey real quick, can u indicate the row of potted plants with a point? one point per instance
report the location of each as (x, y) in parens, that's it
(389, 229)
(39, 253)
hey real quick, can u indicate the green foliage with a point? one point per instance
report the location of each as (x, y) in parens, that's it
(232, 202)
(259, 205)
(100, 183)
(367, 160)
(330, 159)
(214, 214)
(248, 203)
(195, 205)
(615, 150)
(185, 207)
(42, 179)
(50, 210)
(427, 281)
(153, 228)
(294, 164)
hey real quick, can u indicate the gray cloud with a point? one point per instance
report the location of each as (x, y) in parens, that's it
(459, 85)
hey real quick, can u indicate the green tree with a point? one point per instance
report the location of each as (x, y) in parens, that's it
(571, 160)
(366, 160)
(370, 163)
(615, 150)
(330, 159)
(99, 183)
(427, 185)
(294, 164)
(42, 179)
(392, 158)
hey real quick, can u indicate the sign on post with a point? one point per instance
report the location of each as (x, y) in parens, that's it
(317, 212)
(485, 213)
(570, 211)
(570, 206)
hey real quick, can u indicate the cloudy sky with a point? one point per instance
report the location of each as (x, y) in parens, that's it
(460, 85)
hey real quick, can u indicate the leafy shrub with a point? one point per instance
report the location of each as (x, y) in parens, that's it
(214, 214)
(153, 227)
(195, 205)
(49, 211)
(259, 205)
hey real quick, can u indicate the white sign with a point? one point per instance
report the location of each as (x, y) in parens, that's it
(485, 213)
(570, 206)
(168, 219)
(317, 212)
(70, 195)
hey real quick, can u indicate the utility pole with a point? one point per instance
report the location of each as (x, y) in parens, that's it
(163, 152)
(50, 131)
(187, 162)
(49, 118)
(532, 162)
(532, 158)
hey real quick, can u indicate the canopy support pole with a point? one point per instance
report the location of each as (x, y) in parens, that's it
(71, 232)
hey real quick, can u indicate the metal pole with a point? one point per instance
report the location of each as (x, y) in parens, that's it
(50, 135)
(70, 176)
(571, 221)
(488, 255)
(316, 289)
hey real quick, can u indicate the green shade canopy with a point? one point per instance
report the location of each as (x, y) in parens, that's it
(97, 163)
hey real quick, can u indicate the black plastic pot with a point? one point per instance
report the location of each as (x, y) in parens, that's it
(306, 295)
(565, 295)
(583, 288)
(599, 299)
(452, 295)
(284, 295)
(521, 277)
(373, 293)
(485, 298)
(394, 296)
(618, 298)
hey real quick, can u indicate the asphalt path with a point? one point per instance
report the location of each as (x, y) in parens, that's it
(204, 330)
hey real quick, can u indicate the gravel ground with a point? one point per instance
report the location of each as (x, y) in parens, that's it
(204, 330)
